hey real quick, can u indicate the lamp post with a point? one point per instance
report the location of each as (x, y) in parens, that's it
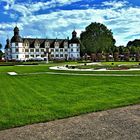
(47, 55)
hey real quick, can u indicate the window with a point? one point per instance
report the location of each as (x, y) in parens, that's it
(56, 50)
(71, 44)
(77, 50)
(61, 50)
(61, 55)
(17, 56)
(71, 50)
(22, 50)
(56, 44)
(31, 50)
(37, 55)
(52, 50)
(32, 55)
(57, 55)
(37, 50)
(65, 44)
(71, 55)
(52, 55)
(26, 44)
(42, 55)
(42, 50)
(66, 50)
(26, 56)
(47, 44)
(26, 50)
(17, 50)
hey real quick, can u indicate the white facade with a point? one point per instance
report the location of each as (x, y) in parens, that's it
(17, 51)
(22, 49)
(74, 51)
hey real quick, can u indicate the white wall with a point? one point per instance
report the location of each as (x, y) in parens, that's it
(74, 51)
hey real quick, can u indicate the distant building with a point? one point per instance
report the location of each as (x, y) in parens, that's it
(22, 49)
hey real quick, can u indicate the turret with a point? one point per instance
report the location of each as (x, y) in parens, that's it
(74, 34)
(74, 38)
(7, 44)
(16, 31)
(16, 37)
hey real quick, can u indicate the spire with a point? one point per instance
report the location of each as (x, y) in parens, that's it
(74, 34)
(16, 31)
(7, 43)
(16, 37)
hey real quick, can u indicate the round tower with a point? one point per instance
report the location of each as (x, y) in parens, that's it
(17, 49)
(74, 46)
(7, 50)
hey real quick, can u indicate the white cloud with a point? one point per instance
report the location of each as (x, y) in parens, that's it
(9, 4)
(123, 20)
(115, 4)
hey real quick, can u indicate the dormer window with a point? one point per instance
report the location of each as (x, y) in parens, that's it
(26, 44)
(47, 44)
(37, 44)
(65, 43)
(56, 44)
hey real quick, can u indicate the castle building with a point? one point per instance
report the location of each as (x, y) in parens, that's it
(22, 49)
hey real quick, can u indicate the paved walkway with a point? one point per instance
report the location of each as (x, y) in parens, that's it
(116, 124)
(72, 74)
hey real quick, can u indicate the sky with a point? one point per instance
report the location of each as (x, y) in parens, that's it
(58, 18)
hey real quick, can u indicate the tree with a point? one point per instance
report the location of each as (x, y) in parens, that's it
(1, 53)
(126, 54)
(135, 43)
(116, 54)
(121, 50)
(132, 50)
(138, 54)
(0, 46)
(96, 38)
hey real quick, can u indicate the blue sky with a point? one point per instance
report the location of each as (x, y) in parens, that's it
(58, 18)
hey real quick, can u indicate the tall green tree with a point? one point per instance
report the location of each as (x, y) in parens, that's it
(116, 54)
(121, 50)
(126, 54)
(135, 43)
(132, 50)
(0, 46)
(1, 53)
(138, 54)
(96, 38)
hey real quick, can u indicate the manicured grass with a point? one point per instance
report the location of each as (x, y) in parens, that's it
(40, 98)
(120, 63)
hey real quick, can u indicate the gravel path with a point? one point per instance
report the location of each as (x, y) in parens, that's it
(116, 124)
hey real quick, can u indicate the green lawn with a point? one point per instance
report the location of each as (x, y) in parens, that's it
(40, 98)
(122, 63)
